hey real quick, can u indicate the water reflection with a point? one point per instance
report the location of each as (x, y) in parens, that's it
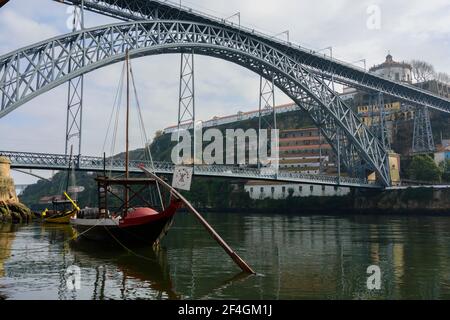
(147, 266)
(297, 257)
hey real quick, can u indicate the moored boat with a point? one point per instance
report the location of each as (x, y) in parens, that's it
(133, 226)
(62, 218)
(63, 211)
(124, 215)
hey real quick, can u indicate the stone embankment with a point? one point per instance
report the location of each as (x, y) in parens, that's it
(11, 210)
(409, 200)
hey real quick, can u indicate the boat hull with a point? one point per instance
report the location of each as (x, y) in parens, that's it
(146, 234)
(60, 219)
(143, 227)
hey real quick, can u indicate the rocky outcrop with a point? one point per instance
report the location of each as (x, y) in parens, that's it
(11, 210)
(14, 212)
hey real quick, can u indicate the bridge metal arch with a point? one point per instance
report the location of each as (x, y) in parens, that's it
(29, 72)
(328, 67)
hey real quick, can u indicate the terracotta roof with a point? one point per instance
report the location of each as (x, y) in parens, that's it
(300, 130)
(314, 146)
(299, 139)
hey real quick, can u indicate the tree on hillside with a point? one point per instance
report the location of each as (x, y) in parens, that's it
(423, 168)
(443, 77)
(445, 167)
(422, 71)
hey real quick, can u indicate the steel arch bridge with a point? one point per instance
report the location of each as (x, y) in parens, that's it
(327, 67)
(34, 70)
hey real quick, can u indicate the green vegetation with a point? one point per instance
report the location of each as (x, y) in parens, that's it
(417, 194)
(43, 188)
(445, 168)
(423, 168)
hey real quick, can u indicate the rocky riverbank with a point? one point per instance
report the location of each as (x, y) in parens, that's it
(14, 212)
(421, 200)
(11, 210)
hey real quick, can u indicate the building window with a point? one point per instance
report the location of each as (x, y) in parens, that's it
(323, 188)
(273, 189)
(300, 189)
(397, 76)
(251, 190)
(262, 190)
(284, 189)
(311, 188)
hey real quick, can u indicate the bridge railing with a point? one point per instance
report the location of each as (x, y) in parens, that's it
(89, 163)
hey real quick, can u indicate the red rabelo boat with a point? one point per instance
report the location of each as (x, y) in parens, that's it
(126, 224)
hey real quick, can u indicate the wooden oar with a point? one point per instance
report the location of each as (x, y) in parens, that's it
(238, 260)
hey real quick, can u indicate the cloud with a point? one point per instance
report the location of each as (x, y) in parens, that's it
(19, 31)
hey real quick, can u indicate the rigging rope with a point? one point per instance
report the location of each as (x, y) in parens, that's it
(116, 98)
(144, 137)
(126, 248)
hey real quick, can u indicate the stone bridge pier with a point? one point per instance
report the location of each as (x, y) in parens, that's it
(7, 189)
(11, 210)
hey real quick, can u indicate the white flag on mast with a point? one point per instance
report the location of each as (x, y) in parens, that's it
(182, 178)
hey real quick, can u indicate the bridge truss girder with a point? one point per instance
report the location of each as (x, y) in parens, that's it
(29, 72)
(40, 161)
(75, 92)
(423, 140)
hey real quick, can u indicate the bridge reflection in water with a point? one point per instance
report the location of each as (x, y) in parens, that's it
(297, 257)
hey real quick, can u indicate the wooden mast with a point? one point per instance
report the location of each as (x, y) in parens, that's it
(127, 146)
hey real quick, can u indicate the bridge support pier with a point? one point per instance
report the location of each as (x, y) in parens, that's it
(75, 94)
(74, 114)
(423, 141)
(186, 103)
(378, 123)
(267, 113)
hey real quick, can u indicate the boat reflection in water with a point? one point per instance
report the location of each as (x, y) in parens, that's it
(296, 257)
(7, 236)
(144, 273)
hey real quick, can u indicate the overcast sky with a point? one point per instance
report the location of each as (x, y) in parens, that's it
(408, 29)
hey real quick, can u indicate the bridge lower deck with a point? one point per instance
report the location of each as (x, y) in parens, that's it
(44, 161)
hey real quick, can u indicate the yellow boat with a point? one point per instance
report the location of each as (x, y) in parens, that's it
(61, 218)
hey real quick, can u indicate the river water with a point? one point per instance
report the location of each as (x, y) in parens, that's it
(296, 257)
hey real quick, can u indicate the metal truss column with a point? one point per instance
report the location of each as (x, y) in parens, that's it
(74, 119)
(186, 103)
(377, 119)
(383, 130)
(423, 141)
(267, 113)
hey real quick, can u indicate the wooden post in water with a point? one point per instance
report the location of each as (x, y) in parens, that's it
(238, 260)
